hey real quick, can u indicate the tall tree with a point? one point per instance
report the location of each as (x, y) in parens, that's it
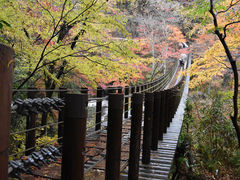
(158, 32)
(68, 39)
(70, 42)
(223, 19)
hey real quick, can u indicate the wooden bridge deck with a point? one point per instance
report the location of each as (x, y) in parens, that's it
(162, 159)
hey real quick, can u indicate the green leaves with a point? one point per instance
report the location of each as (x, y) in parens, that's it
(89, 35)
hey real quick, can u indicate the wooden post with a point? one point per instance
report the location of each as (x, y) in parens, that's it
(165, 114)
(135, 137)
(163, 110)
(61, 94)
(155, 125)
(75, 118)
(145, 87)
(170, 106)
(6, 80)
(99, 109)
(84, 90)
(138, 89)
(114, 136)
(119, 89)
(126, 102)
(133, 90)
(161, 119)
(147, 130)
(31, 123)
(111, 90)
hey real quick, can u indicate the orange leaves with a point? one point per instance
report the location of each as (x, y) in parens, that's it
(176, 34)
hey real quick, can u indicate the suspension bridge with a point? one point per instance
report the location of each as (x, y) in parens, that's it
(122, 133)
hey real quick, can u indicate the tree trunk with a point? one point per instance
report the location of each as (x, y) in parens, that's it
(234, 118)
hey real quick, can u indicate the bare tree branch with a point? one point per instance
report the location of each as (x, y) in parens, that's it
(229, 7)
(87, 42)
(54, 34)
(75, 54)
(222, 63)
(53, 19)
(70, 10)
(90, 6)
(225, 27)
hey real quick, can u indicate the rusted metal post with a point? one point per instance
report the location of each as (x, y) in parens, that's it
(99, 109)
(61, 94)
(155, 124)
(75, 117)
(174, 92)
(170, 106)
(163, 112)
(6, 80)
(147, 130)
(138, 89)
(135, 138)
(145, 87)
(119, 89)
(111, 90)
(84, 90)
(161, 119)
(179, 95)
(114, 135)
(175, 99)
(31, 123)
(126, 102)
(166, 109)
(133, 90)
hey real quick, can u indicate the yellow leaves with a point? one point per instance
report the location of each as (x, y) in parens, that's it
(97, 55)
(211, 65)
(46, 139)
(50, 75)
(18, 145)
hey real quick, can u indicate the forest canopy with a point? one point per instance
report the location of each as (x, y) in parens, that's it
(59, 42)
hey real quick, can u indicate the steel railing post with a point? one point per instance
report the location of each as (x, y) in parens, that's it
(166, 107)
(61, 94)
(135, 137)
(147, 130)
(31, 123)
(155, 125)
(99, 109)
(114, 136)
(84, 90)
(133, 90)
(75, 117)
(161, 119)
(126, 102)
(6, 80)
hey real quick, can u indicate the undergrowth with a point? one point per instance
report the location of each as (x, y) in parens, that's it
(208, 146)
